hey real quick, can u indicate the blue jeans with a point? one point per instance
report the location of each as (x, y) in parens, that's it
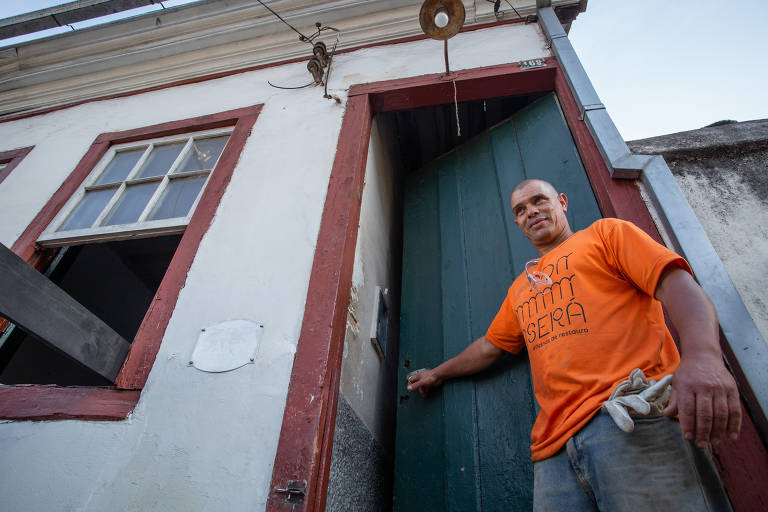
(653, 468)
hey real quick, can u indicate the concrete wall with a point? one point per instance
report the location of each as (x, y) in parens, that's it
(200, 441)
(723, 172)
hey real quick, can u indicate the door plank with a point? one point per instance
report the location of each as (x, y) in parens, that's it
(420, 440)
(461, 459)
(504, 403)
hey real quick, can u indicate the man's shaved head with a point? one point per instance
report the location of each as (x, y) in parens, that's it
(547, 184)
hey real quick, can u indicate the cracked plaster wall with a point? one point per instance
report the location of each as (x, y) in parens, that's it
(723, 172)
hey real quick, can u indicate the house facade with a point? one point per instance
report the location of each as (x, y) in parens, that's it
(244, 230)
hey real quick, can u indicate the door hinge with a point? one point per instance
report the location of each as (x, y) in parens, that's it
(294, 490)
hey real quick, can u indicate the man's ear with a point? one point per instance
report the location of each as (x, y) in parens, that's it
(563, 201)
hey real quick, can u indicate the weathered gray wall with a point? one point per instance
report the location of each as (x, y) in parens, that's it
(723, 172)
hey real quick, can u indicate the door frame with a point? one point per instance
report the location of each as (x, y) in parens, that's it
(303, 457)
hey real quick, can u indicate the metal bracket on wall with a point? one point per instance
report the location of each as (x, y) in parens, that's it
(747, 346)
(294, 490)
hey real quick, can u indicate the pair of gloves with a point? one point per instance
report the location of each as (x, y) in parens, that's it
(639, 396)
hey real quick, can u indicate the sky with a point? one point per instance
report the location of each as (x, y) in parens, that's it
(664, 66)
(659, 66)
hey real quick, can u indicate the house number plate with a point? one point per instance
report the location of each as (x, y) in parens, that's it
(532, 63)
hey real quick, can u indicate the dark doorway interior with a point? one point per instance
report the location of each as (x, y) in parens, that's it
(422, 134)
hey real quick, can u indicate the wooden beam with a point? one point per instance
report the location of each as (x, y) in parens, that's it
(43, 403)
(33, 302)
(470, 84)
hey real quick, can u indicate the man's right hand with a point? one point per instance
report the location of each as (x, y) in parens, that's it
(424, 381)
(478, 356)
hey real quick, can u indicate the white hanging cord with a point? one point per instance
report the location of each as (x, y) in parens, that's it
(456, 105)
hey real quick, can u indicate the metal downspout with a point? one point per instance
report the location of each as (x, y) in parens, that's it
(748, 350)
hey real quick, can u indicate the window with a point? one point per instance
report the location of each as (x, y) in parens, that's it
(149, 187)
(10, 159)
(147, 196)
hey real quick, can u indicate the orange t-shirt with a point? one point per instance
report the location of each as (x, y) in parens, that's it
(586, 332)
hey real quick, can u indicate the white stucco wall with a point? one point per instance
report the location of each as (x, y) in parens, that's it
(200, 441)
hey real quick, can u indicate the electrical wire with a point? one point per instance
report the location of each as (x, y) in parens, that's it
(298, 87)
(513, 8)
(302, 37)
(497, 5)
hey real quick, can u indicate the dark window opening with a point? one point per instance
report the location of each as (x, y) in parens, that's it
(116, 281)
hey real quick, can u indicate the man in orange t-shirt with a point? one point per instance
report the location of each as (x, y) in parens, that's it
(594, 317)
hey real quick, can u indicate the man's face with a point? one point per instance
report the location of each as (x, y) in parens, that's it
(540, 212)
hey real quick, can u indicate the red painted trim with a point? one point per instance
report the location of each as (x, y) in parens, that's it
(33, 113)
(306, 438)
(44, 403)
(213, 76)
(26, 247)
(471, 84)
(743, 466)
(12, 159)
(21, 402)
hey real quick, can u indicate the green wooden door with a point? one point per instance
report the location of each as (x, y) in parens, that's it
(466, 447)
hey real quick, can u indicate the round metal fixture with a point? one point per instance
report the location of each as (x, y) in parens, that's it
(441, 19)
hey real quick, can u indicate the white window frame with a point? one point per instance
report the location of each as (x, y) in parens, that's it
(142, 227)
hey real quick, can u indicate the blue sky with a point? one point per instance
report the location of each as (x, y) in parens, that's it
(663, 66)
(659, 66)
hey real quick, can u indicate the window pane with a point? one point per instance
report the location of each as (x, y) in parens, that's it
(89, 208)
(203, 154)
(178, 198)
(160, 160)
(120, 166)
(131, 204)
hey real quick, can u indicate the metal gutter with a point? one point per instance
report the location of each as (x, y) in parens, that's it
(64, 14)
(746, 349)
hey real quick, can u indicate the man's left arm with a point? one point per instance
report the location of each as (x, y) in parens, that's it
(704, 393)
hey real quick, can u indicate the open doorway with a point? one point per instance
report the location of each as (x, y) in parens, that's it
(402, 144)
(318, 361)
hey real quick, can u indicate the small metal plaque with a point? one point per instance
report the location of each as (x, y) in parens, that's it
(380, 324)
(227, 346)
(532, 63)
